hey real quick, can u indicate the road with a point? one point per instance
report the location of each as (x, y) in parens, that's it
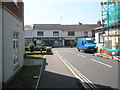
(101, 72)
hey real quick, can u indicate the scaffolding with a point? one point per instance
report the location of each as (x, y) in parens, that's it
(112, 12)
(111, 19)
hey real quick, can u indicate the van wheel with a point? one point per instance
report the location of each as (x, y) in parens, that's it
(78, 49)
(84, 51)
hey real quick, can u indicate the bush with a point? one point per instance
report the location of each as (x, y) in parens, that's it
(48, 47)
(37, 49)
(43, 48)
(31, 47)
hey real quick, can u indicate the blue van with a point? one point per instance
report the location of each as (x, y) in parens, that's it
(86, 45)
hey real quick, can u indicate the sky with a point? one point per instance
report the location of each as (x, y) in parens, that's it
(61, 11)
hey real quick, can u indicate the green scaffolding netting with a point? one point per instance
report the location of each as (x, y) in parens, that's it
(111, 50)
(113, 12)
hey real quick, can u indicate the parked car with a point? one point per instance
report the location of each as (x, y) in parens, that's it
(86, 45)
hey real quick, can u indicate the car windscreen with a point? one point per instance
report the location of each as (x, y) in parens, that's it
(89, 42)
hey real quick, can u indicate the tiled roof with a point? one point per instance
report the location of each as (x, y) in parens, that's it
(79, 27)
(65, 27)
(46, 27)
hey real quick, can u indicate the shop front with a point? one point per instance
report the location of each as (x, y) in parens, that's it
(69, 41)
(53, 42)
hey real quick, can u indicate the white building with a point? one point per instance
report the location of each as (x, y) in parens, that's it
(11, 39)
(0, 45)
(57, 35)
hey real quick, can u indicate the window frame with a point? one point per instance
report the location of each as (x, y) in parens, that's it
(55, 33)
(41, 34)
(85, 34)
(69, 33)
(15, 47)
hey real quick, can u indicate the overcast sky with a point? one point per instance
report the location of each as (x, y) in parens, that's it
(61, 11)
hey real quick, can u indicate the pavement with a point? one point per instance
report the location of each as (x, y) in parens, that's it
(56, 75)
(117, 58)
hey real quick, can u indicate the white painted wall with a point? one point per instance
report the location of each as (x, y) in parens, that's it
(0, 46)
(11, 24)
(28, 34)
(99, 45)
(89, 33)
(96, 38)
(77, 34)
(47, 33)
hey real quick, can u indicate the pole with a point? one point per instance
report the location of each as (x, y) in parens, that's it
(61, 19)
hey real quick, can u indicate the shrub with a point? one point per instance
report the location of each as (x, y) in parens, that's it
(48, 47)
(37, 49)
(31, 47)
(43, 48)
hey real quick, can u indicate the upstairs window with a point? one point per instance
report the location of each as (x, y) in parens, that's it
(71, 33)
(40, 33)
(85, 34)
(55, 33)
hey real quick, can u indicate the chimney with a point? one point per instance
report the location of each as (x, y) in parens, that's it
(80, 23)
(99, 22)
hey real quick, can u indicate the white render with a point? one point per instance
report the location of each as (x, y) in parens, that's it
(10, 25)
(99, 45)
(47, 33)
(0, 46)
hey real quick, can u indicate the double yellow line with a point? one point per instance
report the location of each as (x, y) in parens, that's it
(87, 84)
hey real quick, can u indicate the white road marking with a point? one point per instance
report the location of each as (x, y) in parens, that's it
(72, 52)
(76, 73)
(101, 63)
(81, 55)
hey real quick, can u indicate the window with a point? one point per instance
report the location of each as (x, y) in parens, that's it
(71, 33)
(15, 47)
(55, 33)
(89, 42)
(40, 33)
(93, 33)
(85, 34)
(101, 38)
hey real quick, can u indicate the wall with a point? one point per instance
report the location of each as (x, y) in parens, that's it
(29, 33)
(11, 24)
(0, 45)
(65, 34)
(99, 45)
(77, 34)
(47, 33)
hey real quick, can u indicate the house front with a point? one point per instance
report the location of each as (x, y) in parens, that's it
(11, 38)
(108, 36)
(0, 44)
(57, 35)
(71, 33)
